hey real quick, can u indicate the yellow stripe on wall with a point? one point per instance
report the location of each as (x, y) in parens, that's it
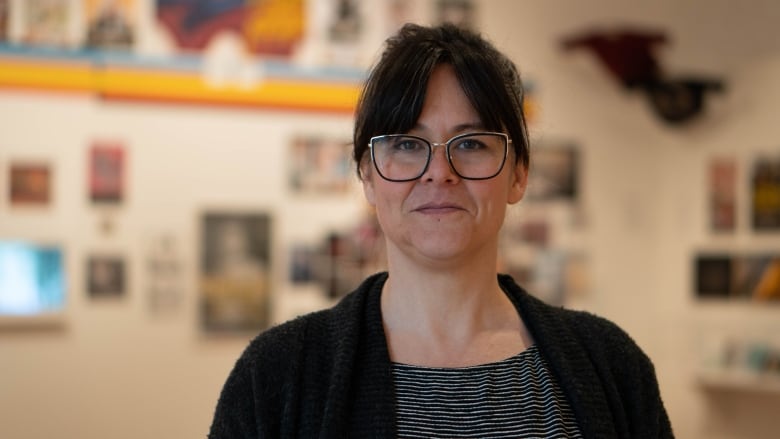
(161, 85)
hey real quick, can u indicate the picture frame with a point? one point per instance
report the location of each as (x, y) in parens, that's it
(30, 184)
(106, 276)
(235, 271)
(106, 172)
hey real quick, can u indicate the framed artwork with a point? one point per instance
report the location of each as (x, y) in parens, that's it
(303, 259)
(713, 275)
(754, 276)
(30, 184)
(106, 172)
(320, 165)
(110, 23)
(46, 22)
(32, 283)
(765, 187)
(723, 194)
(235, 277)
(106, 276)
(553, 174)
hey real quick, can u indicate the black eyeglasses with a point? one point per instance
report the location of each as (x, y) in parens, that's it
(472, 156)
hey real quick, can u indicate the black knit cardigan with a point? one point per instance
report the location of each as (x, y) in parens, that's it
(328, 374)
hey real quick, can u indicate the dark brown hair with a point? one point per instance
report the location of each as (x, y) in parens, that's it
(394, 92)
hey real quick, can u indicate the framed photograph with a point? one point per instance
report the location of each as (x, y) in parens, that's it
(765, 188)
(553, 174)
(235, 276)
(110, 23)
(303, 259)
(320, 165)
(106, 276)
(106, 172)
(713, 275)
(33, 284)
(30, 184)
(723, 194)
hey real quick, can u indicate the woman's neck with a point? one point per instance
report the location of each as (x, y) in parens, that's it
(452, 317)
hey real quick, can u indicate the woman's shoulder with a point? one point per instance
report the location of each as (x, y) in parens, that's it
(591, 330)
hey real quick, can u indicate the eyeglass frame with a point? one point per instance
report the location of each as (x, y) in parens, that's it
(446, 145)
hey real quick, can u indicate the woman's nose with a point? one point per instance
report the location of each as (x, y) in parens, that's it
(439, 168)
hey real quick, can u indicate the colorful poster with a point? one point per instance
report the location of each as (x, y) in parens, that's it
(270, 27)
(235, 285)
(723, 194)
(106, 179)
(30, 184)
(765, 184)
(110, 23)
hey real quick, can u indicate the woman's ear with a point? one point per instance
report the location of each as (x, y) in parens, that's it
(519, 181)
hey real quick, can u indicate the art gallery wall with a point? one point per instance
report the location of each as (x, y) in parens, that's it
(116, 368)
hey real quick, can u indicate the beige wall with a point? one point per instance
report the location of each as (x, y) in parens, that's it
(117, 371)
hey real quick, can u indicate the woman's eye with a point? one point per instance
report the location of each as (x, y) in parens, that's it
(469, 144)
(408, 145)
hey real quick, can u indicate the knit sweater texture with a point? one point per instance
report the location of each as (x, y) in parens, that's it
(328, 374)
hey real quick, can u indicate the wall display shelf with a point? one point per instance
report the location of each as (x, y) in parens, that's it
(743, 381)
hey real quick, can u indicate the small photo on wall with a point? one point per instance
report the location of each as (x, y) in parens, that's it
(714, 275)
(106, 276)
(765, 185)
(723, 193)
(106, 172)
(30, 184)
(320, 165)
(235, 278)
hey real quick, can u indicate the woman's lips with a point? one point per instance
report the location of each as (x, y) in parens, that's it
(434, 208)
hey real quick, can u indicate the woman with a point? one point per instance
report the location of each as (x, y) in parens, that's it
(441, 345)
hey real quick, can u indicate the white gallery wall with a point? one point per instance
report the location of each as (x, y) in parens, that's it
(116, 370)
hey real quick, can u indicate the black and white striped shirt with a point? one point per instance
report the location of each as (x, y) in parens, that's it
(513, 398)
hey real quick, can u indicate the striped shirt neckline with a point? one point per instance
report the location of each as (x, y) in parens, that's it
(514, 397)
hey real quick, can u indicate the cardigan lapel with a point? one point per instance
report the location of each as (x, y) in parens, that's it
(360, 394)
(568, 359)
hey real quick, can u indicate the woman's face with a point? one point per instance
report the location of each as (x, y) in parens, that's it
(441, 218)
